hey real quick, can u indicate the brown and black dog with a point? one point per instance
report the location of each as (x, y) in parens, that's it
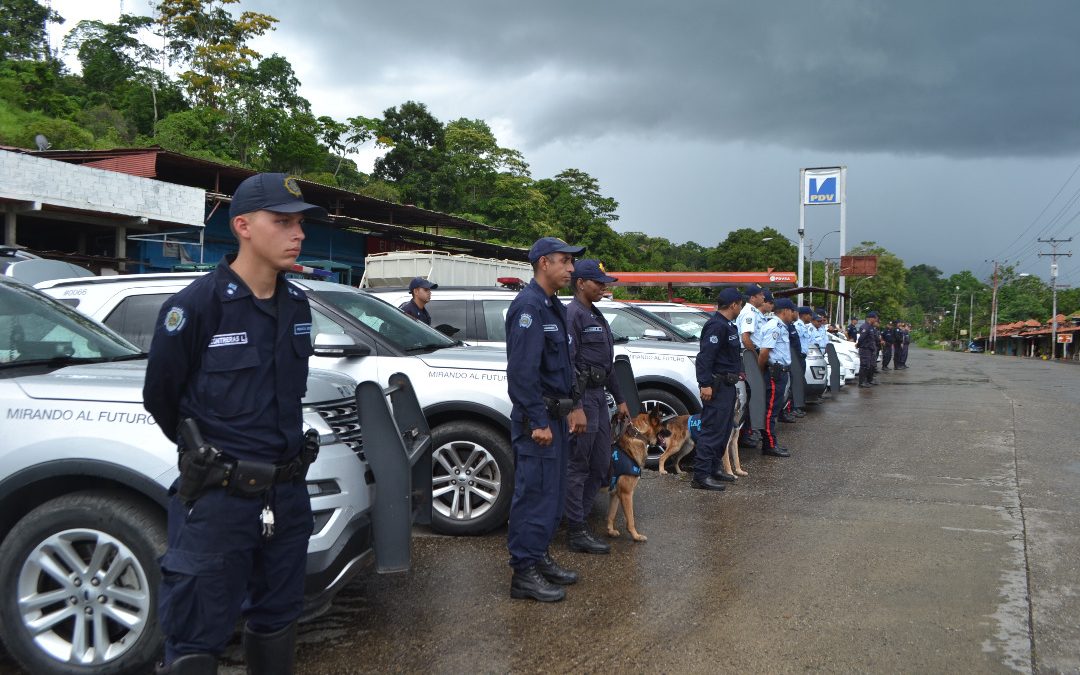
(684, 429)
(632, 439)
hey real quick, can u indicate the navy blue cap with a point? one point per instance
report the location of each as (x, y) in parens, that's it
(871, 315)
(769, 297)
(421, 282)
(752, 290)
(805, 310)
(818, 316)
(548, 245)
(784, 303)
(276, 192)
(728, 296)
(591, 269)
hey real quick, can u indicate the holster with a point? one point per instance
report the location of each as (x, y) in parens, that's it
(776, 371)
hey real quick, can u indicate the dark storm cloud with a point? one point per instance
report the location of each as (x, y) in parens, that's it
(963, 79)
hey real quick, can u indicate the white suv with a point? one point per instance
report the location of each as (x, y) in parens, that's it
(461, 389)
(663, 367)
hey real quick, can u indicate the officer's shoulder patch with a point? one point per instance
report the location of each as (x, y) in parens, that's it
(175, 319)
(525, 320)
(713, 339)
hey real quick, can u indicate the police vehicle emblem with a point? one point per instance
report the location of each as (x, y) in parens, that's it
(712, 339)
(525, 320)
(175, 319)
(292, 186)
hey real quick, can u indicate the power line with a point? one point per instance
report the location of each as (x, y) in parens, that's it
(1021, 236)
(1053, 286)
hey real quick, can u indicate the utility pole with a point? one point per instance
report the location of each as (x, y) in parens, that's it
(1053, 286)
(993, 313)
(971, 313)
(955, 306)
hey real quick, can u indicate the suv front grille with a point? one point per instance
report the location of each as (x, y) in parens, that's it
(343, 418)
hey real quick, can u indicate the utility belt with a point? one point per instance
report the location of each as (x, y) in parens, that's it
(557, 408)
(776, 371)
(729, 379)
(205, 468)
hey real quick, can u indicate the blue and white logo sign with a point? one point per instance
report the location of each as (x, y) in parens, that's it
(821, 186)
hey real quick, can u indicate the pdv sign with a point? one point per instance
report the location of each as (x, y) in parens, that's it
(821, 186)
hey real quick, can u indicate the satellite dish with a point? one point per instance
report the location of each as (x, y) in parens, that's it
(42, 142)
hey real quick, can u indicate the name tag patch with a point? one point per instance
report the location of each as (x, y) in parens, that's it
(301, 329)
(549, 327)
(593, 329)
(229, 339)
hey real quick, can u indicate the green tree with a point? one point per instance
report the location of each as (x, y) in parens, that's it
(204, 37)
(23, 29)
(417, 152)
(748, 250)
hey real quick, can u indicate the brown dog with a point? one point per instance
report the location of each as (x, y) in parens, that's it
(685, 427)
(633, 438)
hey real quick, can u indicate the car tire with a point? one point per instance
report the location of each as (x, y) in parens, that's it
(472, 470)
(668, 404)
(107, 546)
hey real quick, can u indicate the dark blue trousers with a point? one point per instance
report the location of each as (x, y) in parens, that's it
(590, 459)
(218, 567)
(887, 354)
(539, 493)
(774, 396)
(717, 417)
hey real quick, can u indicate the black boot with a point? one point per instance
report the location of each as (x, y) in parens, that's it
(190, 664)
(578, 538)
(555, 573)
(862, 379)
(529, 583)
(270, 653)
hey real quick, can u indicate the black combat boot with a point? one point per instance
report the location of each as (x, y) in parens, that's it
(270, 653)
(862, 379)
(579, 539)
(190, 664)
(555, 573)
(529, 583)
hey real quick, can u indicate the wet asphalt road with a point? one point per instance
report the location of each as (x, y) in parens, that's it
(929, 524)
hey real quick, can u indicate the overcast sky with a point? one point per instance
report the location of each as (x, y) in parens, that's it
(959, 121)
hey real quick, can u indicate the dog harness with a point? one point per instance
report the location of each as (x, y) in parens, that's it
(622, 465)
(693, 425)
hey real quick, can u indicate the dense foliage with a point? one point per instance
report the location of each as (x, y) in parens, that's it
(209, 94)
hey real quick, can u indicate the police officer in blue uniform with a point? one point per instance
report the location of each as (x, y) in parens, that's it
(889, 350)
(229, 359)
(416, 307)
(718, 366)
(903, 343)
(539, 378)
(774, 359)
(592, 351)
(867, 345)
(852, 330)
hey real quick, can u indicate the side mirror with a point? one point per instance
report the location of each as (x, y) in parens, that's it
(655, 334)
(447, 330)
(339, 345)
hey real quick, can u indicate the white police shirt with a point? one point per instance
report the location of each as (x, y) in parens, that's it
(749, 319)
(774, 337)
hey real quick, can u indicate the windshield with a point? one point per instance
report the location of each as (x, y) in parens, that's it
(35, 329)
(690, 323)
(625, 322)
(388, 321)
